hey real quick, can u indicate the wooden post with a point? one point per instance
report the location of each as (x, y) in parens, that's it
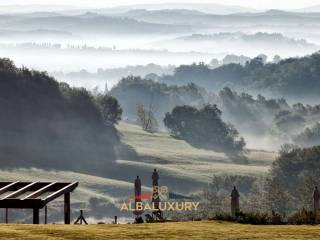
(115, 220)
(67, 208)
(7, 217)
(36, 216)
(45, 214)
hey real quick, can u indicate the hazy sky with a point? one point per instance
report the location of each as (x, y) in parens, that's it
(259, 4)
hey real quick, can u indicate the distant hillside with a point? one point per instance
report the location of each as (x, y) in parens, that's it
(204, 19)
(211, 8)
(296, 78)
(88, 22)
(257, 38)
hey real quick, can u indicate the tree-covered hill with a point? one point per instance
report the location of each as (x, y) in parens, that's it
(155, 96)
(48, 124)
(293, 77)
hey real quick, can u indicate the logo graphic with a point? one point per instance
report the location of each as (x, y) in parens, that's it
(158, 199)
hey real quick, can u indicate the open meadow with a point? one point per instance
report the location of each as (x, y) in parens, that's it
(179, 158)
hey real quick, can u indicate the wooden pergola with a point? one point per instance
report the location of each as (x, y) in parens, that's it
(35, 195)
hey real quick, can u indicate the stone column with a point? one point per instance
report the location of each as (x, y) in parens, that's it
(316, 198)
(137, 193)
(155, 189)
(235, 206)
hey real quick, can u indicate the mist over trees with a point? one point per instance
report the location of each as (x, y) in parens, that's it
(253, 116)
(50, 125)
(298, 124)
(132, 91)
(309, 137)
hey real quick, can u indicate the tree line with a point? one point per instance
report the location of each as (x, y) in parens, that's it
(296, 78)
(47, 124)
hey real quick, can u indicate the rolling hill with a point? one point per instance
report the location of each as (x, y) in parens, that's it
(183, 168)
(85, 23)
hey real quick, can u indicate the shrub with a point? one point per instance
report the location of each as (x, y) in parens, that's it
(302, 217)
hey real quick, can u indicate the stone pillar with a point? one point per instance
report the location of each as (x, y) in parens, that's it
(235, 206)
(137, 193)
(155, 189)
(316, 198)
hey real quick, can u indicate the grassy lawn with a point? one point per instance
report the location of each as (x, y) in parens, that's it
(179, 158)
(185, 230)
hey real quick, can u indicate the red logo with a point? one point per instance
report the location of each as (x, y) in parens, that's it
(144, 195)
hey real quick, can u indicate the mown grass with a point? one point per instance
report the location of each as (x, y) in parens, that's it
(180, 158)
(182, 230)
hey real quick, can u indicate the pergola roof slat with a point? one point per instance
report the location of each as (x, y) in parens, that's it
(19, 191)
(21, 195)
(69, 188)
(13, 193)
(7, 187)
(40, 191)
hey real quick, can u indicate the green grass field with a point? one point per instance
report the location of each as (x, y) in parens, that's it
(182, 230)
(181, 159)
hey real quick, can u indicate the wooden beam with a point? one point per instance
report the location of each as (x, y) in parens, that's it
(7, 187)
(69, 188)
(7, 215)
(17, 203)
(36, 216)
(19, 191)
(40, 191)
(45, 214)
(67, 208)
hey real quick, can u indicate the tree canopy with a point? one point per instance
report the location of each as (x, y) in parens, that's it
(204, 128)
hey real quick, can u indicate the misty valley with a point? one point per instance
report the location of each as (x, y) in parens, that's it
(211, 99)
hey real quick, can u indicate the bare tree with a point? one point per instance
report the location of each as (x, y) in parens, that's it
(146, 118)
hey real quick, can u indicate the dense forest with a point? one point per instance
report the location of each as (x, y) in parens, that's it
(48, 124)
(295, 78)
